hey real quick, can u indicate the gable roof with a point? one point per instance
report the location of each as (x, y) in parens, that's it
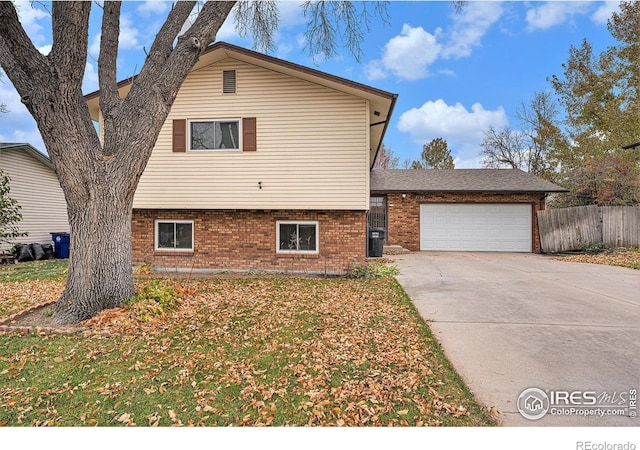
(459, 180)
(31, 150)
(381, 102)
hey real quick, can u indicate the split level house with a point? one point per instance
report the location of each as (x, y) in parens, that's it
(264, 164)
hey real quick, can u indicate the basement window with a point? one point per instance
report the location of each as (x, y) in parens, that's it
(174, 235)
(297, 237)
(228, 81)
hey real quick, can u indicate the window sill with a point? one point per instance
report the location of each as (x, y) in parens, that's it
(168, 251)
(298, 255)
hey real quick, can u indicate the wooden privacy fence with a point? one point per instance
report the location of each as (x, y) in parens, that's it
(580, 227)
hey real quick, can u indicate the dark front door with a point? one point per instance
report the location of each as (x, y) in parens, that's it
(377, 217)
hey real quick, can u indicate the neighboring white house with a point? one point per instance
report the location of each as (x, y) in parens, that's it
(36, 188)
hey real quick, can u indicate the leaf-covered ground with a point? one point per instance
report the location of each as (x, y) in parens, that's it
(242, 352)
(626, 258)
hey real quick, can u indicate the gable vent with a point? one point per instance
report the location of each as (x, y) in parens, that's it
(228, 81)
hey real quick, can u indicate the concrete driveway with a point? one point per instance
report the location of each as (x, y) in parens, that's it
(510, 321)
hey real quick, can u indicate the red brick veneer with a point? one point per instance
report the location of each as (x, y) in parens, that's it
(404, 213)
(246, 240)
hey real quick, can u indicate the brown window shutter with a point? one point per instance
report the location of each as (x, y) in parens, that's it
(180, 135)
(249, 142)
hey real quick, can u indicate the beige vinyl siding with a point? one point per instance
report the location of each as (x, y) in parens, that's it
(312, 147)
(36, 188)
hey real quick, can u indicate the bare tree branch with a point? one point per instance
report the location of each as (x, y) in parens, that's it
(19, 58)
(163, 43)
(503, 149)
(261, 19)
(155, 89)
(329, 21)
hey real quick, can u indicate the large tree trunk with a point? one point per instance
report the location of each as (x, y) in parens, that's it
(100, 270)
(99, 179)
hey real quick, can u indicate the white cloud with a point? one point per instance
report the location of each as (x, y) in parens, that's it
(474, 162)
(407, 55)
(45, 49)
(17, 125)
(90, 80)
(150, 7)
(29, 18)
(128, 38)
(469, 26)
(30, 136)
(128, 34)
(410, 54)
(375, 70)
(551, 14)
(604, 12)
(290, 14)
(462, 128)
(94, 46)
(227, 31)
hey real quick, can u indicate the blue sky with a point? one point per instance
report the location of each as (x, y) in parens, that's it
(456, 73)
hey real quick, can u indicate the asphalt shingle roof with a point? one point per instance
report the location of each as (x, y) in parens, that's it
(459, 180)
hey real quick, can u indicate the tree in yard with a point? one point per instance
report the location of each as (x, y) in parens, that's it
(10, 214)
(529, 147)
(386, 159)
(600, 96)
(611, 181)
(435, 155)
(99, 179)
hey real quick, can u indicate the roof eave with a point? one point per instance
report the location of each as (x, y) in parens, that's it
(384, 130)
(468, 191)
(32, 150)
(271, 59)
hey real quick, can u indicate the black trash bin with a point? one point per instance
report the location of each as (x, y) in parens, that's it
(376, 242)
(61, 241)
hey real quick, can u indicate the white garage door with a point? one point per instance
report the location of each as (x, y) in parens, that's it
(489, 227)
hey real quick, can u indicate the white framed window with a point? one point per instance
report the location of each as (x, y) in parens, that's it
(297, 236)
(174, 235)
(214, 134)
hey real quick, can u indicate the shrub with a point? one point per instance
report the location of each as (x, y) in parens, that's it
(594, 249)
(154, 300)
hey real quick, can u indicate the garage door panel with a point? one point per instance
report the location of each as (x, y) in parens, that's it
(475, 227)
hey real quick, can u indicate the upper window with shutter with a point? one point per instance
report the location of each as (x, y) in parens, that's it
(228, 81)
(215, 134)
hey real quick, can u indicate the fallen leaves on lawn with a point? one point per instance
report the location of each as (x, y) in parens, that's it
(258, 352)
(625, 258)
(17, 296)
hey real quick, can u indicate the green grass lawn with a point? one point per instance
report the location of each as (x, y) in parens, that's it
(52, 269)
(243, 352)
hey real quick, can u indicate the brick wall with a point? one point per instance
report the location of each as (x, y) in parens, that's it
(246, 240)
(404, 213)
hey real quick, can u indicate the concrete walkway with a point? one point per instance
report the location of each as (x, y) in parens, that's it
(510, 321)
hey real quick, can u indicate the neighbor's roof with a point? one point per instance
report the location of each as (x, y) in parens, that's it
(37, 154)
(459, 180)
